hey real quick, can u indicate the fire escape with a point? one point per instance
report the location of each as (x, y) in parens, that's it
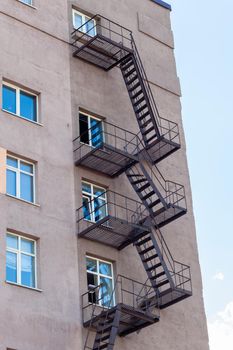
(132, 305)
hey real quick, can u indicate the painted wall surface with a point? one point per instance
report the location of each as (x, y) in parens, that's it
(36, 54)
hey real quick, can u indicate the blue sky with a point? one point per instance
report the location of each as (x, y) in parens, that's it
(203, 32)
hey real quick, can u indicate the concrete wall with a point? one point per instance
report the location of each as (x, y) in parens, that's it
(35, 53)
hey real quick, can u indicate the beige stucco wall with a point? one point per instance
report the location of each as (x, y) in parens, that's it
(35, 53)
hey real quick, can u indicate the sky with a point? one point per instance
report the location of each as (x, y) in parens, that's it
(203, 32)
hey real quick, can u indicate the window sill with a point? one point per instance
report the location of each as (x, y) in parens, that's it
(31, 6)
(22, 118)
(22, 286)
(23, 200)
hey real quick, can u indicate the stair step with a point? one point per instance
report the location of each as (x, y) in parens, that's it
(139, 110)
(151, 268)
(104, 329)
(127, 63)
(134, 87)
(154, 256)
(136, 175)
(151, 205)
(100, 347)
(142, 188)
(148, 195)
(135, 77)
(146, 123)
(142, 252)
(101, 338)
(158, 285)
(139, 181)
(147, 131)
(139, 101)
(131, 71)
(145, 240)
(151, 138)
(160, 274)
(138, 93)
(155, 267)
(144, 116)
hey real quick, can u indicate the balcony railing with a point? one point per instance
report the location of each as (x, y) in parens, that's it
(114, 222)
(107, 148)
(135, 300)
(101, 42)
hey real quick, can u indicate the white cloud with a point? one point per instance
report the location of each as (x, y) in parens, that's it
(221, 329)
(219, 276)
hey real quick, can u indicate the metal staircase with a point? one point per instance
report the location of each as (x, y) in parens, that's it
(163, 201)
(170, 279)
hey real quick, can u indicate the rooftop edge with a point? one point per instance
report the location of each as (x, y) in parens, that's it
(163, 4)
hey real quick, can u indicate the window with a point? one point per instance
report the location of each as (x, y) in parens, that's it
(94, 202)
(19, 102)
(91, 130)
(20, 179)
(87, 24)
(100, 272)
(21, 260)
(28, 2)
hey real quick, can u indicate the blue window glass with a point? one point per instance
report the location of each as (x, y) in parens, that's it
(11, 182)
(26, 187)
(26, 167)
(12, 162)
(90, 27)
(9, 99)
(11, 267)
(12, 241)
(28, 106)
(27, 246)
(96, 133)
(27, 270)
(106, 291)
(28, 2)
(105, 268)
(100, 209)
(78, 21)
(86, 187)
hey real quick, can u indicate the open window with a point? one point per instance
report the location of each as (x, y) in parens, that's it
(100, 273)
(91, 130)
(94, 201)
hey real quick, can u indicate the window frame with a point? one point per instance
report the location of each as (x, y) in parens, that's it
(89, 117)
(85, 18)
(91, 202)
(98, 274)
(18, 171)
(18, 253)
(17, 90)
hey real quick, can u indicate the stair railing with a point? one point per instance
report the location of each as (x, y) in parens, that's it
(179, 272)
(166, 127)
(172, 192)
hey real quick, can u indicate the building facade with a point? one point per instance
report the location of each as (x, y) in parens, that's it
(98, 247)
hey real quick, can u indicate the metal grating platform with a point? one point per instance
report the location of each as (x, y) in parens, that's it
(106, 159)
(104, 44)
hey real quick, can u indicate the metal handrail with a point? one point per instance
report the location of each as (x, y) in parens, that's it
(133, 209)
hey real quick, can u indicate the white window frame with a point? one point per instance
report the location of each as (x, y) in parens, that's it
(18, 253)
(98, 274)
(85, 18)
(18, 171)
(93, 196)
(18, 89)
(89, 117)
